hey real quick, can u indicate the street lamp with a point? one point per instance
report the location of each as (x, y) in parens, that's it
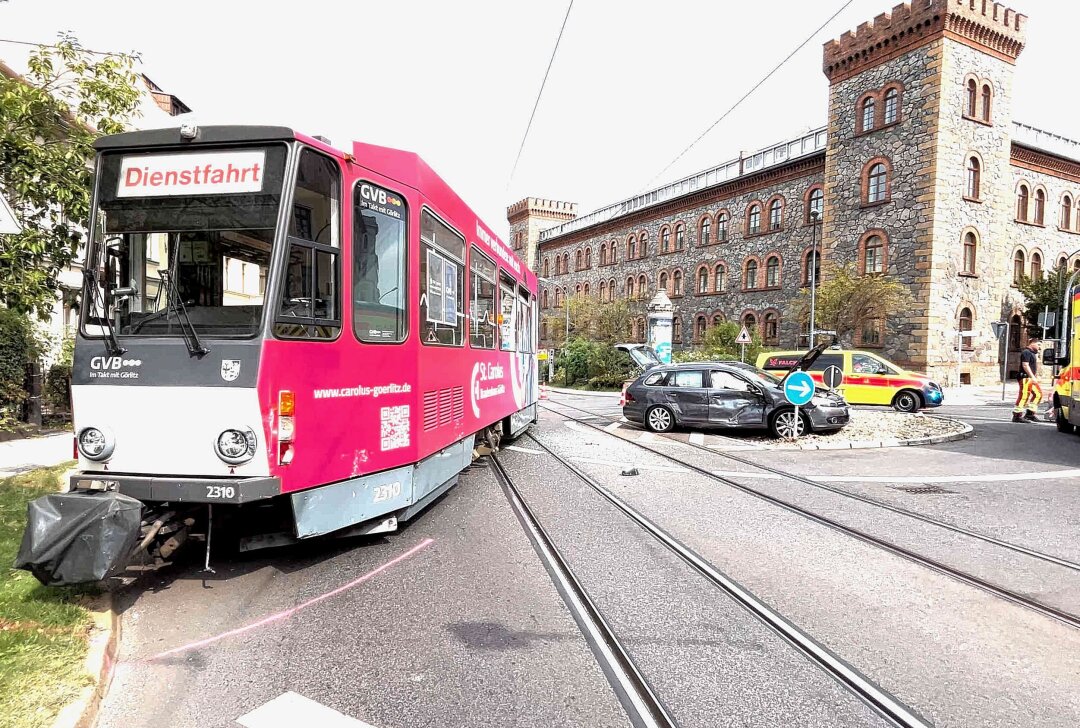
(814, 215)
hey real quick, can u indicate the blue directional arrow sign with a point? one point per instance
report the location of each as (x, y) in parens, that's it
(798, 388)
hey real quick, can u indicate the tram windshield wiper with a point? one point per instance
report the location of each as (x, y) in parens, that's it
(175, 304)
(91, 291)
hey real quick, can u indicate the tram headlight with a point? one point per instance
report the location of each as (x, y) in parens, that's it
(95, 444)
(235, 446)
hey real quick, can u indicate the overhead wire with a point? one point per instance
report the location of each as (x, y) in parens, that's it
(540, 93)
(745, 96)
(55, 45)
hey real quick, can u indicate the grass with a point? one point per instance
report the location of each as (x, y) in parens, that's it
(43, 630)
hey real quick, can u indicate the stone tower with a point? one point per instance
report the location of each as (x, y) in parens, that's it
(531, 216)
(914, 97)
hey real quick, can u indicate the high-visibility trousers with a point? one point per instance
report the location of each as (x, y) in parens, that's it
(1029, 396)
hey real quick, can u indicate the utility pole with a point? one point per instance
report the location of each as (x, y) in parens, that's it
(813, 276)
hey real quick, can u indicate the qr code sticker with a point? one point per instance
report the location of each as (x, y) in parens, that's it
(395, 427)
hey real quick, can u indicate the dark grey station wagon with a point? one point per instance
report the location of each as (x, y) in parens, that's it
(726, 394)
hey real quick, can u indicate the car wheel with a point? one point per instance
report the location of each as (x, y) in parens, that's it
(907, 402)
(1063, 424)
(786, 425)
(659, 419)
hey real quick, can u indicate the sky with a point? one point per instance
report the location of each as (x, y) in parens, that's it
(633, 83)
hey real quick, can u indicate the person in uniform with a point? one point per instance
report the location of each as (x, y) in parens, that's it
(1030, 393)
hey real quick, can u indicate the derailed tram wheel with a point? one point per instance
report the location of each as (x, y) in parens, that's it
(786, 425)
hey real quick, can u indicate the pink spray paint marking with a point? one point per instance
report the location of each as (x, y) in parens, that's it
(293, 610)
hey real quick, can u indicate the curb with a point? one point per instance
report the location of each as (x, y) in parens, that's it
(963, 434)
(100, 662)
(582, 392)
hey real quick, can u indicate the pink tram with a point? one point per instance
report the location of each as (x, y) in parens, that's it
(269, 320)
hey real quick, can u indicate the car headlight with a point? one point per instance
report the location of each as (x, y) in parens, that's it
(235, 446)
(95, 444)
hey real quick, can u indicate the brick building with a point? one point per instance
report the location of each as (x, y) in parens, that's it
(920, 174)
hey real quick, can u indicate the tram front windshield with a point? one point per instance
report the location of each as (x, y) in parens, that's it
(183, 237)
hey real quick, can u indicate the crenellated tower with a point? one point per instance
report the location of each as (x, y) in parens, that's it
(531, 216)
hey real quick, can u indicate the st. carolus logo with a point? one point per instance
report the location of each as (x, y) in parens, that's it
(482, 384)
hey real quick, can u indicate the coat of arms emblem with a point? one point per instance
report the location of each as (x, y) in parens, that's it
(230, 369)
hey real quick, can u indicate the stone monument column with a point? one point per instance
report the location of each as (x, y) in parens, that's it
(661, 312)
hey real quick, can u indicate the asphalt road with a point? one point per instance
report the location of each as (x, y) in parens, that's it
(454, 621)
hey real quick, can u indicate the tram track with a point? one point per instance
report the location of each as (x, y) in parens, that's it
(883, 703)
(1003, 592)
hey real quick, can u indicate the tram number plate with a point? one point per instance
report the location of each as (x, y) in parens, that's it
(221, 492)
(386, 492)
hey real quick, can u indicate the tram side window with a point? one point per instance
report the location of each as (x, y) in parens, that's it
(507, 315)
(483, 330)
(310, 295)
(378, 291)
(524, 322)
(442, 267)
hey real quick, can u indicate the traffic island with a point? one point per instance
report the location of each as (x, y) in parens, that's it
(872, 429)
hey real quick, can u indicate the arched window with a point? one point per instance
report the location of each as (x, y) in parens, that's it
(753, 219)
(1036, 266)
(703, 280)
(611, 290)
(1022, 196)
(971, 247)
(816, 208)
(603, 253)
(558, 298)
(676, 283)
(603, 290)
(772, 272)
(566, 262)
(613, 253)
(1040, 206)
(639, 329)
(700, 322)
(972, 97)
(987, 95)
(1076, 264)
(750, 279)
(704, 230)
(680, 235)
(579, 260)
(642, 286)
(630, 287)
(873, 255)
(1066, 212)
(577, 290)
(868, 114)
(811, 268)
(1063, 261)
(749, 320)
(974, 170)
(588, 257)
(585, 290)
(543, 330)
(545, 299)
(965, 323)
(643, 245)
(661, 283)
(665, 239)
(721, 227)
(772, 327)
(631, 248)
(892, 106)
(547, 268)
(1018, 267)
(676, 329)
(876, 183)
(775, 208)
(717, 319)
(719, 278)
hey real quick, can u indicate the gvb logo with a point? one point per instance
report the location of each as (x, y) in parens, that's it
(373, 194)
(101, 363)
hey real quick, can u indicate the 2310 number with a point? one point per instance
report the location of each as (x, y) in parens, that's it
(220, 492)
(386, 492)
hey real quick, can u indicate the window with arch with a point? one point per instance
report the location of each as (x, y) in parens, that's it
(1019, 264)
(577, 290)
(588, 257)
(1040, 206)
(868, 106)
(676, 329)
(643, 245)
(676, 283)
(877, 178)
(603, 290)
(872, 332)
(1063, 261)
(974, 181)
(545, 299)
(971, 249)
(717, 319)
(965, 321)
(703, 280)
(547, 268)
(611, 290)
(662, 281)
(873, 254)
(631, 248)
(643, 286)
(750, 277)
(585, 290)
(543, 330)
(1036, 266)
(700, 323)
(680, 235)
(719, 278)
(749, 320)
(815, 208)
(558, 298)
(753, 219)
(1023, 195)
(579, 260)
(665, 239)
(775, 212)
(772, 327)
(892, 106)
(1076, 264)
(972, 97)
(704, 230)
(603, 253)
(630, 287)
(1066, 212)
(811, 268)
(772, 272)
(987, 99)
(613, 253)
(721, 226)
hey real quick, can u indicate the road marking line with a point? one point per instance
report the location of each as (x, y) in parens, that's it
(293, 610)
(527, 451)
(646, 437)
(741, 474)
(613, 426)
(292, 709)
(988, 478)
(696, 438)
(660, 468)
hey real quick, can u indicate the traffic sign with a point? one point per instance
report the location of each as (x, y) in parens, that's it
(1047, 319)
(833, 376)
(798, 388)
(8, 223)
(999, 328)
(743, 337)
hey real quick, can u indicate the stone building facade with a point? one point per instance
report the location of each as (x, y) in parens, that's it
(921, 174)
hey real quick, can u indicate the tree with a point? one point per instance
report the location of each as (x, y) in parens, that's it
(719, 345)
(847, 300)
(49, 120)
(606, 322)
(1042, 293)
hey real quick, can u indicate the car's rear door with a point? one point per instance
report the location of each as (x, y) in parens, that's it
(733, 402)
(688, 396)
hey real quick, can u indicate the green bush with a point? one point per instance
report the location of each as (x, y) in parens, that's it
(719, 345)
(18, 348)
(593, 365)
(57, 385)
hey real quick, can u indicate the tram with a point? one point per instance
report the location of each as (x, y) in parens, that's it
(270, 321)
